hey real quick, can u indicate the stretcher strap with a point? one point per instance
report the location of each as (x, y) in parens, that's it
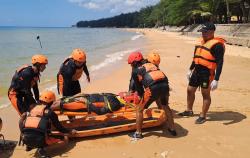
(107, 103)
(125, 103)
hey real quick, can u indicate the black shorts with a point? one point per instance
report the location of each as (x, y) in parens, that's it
(159, 92)
(200, 79)
(72, 88)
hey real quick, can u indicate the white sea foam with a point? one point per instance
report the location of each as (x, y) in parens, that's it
(136, 37)
(111, 58)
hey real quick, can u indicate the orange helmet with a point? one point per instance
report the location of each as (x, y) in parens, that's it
(78, 55)
(154, 58)
(39, 58)
(134, 56)
(48, 97)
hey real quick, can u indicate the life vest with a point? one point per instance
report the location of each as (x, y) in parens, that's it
(17, 77)
(78, 72)
(37, 120)
(34, 127)
(151, 75)
(203, 55)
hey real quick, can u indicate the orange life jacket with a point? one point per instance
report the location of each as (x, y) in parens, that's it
(37, 119)
(203, 55)
(151, 75)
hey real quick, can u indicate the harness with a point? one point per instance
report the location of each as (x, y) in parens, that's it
(151, 75)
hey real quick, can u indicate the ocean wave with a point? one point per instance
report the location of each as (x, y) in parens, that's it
(111, 58)
(51, 88)
(136, 37)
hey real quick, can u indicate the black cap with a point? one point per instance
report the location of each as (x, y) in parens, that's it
(207, 27)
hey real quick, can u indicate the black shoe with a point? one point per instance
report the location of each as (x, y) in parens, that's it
(186, 113)
(71, 118)
(135, 136)
(42, 153)
(172, 132)
(28, 148)
(200, 120)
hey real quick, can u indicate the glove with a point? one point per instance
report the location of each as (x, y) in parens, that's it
(189, 73)
(73, 132)
(214, 85)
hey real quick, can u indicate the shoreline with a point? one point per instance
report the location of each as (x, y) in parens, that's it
(224, 135)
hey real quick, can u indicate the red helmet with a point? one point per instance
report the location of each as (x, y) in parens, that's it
(135, 56)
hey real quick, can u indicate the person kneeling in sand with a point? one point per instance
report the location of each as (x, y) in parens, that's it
(35, 126)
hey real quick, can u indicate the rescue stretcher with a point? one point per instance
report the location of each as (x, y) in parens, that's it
(113, 123)
(124, 119)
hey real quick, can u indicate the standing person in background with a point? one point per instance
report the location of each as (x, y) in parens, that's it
(25, 78)
(70, 72)
(205, 70)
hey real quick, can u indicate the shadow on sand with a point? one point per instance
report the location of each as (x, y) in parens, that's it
(7, 150)
(162, 131)
(62, 152)
(227, 117)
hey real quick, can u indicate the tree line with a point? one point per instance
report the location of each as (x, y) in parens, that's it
(179, 12)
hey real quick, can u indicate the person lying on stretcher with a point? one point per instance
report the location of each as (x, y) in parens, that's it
(100, 104)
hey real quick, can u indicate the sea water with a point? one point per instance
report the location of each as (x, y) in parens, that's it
(106, 49)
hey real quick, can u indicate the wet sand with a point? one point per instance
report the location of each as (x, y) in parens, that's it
(224, 135)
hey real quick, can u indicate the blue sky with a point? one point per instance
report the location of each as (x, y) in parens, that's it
(63, 12)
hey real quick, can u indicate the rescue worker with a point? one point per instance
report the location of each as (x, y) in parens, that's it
(152, 85)
(152, 57)
(35, 126)
(25, 78)
(205, 70)
(70, 72)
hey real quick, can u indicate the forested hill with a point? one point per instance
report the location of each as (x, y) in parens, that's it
(179, 12)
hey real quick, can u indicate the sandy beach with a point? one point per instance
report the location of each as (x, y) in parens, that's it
(224, 135)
